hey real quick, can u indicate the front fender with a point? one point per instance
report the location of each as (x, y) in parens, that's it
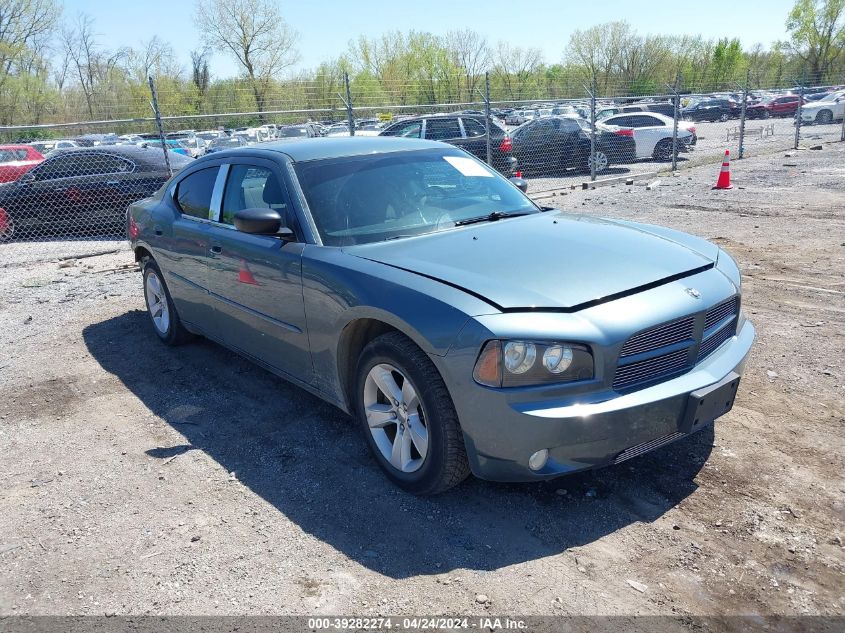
(339, 289)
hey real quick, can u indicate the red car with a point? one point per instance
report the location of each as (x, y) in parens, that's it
(785, 105)
(16, 160)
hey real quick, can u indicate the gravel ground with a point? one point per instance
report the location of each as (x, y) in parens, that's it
(140, 479)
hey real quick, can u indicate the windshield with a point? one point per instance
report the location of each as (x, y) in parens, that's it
(833, 96)
(371, 198)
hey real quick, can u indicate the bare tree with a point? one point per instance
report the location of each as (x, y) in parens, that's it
(514, 66)
(155, 57)
(470, 53)
(254, 33)
(91, 64)
(22, 24)
(199, 70)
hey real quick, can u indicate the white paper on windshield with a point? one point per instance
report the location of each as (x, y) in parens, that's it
(467, 166)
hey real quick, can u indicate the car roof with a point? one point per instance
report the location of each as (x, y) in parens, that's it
(149, 156)
(344, 146)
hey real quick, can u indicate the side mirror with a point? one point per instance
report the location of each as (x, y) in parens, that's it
(262, 222)
(519, 182)
(27, 178)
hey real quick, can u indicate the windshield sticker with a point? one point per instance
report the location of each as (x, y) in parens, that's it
(467, 166)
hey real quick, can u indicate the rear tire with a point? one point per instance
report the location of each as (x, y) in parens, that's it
(163, 316)
(724, 117)
(7, 227)
(602, 162)
(407, 417)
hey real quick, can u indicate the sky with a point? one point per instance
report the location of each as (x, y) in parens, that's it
(326, 26)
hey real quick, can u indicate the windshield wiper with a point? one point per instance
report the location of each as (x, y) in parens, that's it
(491, 217)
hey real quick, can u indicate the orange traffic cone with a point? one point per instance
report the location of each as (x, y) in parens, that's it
(724, 180)
(245, 275)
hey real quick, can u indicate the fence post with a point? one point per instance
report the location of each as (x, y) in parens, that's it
(741, 152)
(798, 114)
(349, 116)
(676, 114)
(157, 113)
(593, 130)
(842, 134)
(487, 116)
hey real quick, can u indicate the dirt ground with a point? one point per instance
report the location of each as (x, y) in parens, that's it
(140, 479)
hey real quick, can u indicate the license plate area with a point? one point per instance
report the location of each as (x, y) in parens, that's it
(709, 403)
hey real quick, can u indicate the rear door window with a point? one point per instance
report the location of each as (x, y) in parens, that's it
(442, 129)
(193, 193)
(409, 129)
(473, 127)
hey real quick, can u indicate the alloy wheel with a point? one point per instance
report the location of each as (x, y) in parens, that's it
(395, 418)
(601, 161)
(157, 303)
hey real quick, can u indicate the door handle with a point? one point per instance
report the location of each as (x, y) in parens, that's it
(216, 249)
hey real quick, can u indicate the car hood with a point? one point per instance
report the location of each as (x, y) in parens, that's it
(551, 260)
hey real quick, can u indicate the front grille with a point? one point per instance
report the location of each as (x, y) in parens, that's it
(710, 345)
(650, 369)
(667, 350)
(713, 317)
(719, 312)
(645, 447)
(660, 336)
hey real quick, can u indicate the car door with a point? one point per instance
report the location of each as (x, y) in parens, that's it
(255, 281)
(475, 137)
(183, 245)
(648, 132)
(46, 197)
(535, 146)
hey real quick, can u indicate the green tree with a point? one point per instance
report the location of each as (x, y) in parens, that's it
(817, 35)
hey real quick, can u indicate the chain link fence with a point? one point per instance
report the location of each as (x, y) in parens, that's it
(67, 183)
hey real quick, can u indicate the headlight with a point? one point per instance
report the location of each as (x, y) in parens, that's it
(522, 363)
(728, 267)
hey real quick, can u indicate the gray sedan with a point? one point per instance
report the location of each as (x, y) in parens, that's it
(466, 328)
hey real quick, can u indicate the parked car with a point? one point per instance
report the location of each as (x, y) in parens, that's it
(16, 160)
(785, 105)
(517, 117)
(826, 110)
(711, 110)
(84, 190)
(554, 143)
(338, 129)
(301, 131)
(229, 142)
(45, 147)
(466, 328)
(93, 140)
(469, 132)
(652, 133)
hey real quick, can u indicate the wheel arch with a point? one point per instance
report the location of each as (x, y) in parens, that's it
(354, 337)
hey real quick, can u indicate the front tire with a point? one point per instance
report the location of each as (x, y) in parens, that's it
(724, 117)
(407, 417)
(824, 117)
(166, 323)
(663, 150)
